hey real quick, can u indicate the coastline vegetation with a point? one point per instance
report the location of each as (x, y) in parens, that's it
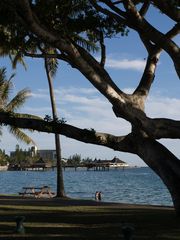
(4, 158)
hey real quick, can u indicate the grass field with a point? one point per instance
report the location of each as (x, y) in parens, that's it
(78, 219)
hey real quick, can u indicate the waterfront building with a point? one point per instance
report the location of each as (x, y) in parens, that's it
(117, 163)
(45, 154)
(114, 163)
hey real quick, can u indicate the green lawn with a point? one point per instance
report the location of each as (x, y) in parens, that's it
(67, 219)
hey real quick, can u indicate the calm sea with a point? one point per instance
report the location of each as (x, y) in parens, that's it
(133, 185)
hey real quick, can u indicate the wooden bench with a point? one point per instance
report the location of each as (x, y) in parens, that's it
(37, 192)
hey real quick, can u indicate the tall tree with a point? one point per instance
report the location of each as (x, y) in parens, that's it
(50, 66)
(51, 22)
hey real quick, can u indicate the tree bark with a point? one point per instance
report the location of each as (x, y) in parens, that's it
(60, 181)
(164, 164)
(60, 192)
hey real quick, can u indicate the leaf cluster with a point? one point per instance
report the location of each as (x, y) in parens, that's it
(48, 118)
(74, 20)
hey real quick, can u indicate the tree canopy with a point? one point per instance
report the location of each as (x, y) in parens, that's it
(74, 29)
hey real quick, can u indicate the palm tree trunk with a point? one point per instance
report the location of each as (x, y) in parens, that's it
(60, 181)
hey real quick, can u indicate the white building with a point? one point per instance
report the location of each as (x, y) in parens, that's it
(117, 163)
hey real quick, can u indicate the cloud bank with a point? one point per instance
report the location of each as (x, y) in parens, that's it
(136, 64)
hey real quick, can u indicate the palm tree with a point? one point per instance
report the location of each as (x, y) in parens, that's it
(50, 67)
(12, 105)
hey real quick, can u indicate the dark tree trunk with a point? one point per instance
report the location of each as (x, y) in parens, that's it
(60, 181)
(164, 164)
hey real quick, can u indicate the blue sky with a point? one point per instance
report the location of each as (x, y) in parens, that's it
(81, 105)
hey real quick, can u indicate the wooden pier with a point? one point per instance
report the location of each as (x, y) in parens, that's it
(92, 166)
(89, 166)
(97, 166)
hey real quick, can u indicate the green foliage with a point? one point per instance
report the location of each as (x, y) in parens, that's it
(4, 158)
(87, 160)
(11, 105)
(48, 118)
(74, 160)
(22, 157)
(75, 21)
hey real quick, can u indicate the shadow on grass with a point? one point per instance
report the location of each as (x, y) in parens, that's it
(72, 219)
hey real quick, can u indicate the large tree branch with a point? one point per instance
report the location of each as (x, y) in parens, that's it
(49, 55)
(168, 8)
(112, 6)
(80, 58)
(148, 75)
(165, 128)
(107, 12)
(23, 9)
(103, 50)
(153, 57)
(137, 22)
(144, 8)
(155, 128)
(119, 143)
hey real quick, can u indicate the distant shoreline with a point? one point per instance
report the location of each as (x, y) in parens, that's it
(5, 168)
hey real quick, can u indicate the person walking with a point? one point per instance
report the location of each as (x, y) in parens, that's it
(98, 196)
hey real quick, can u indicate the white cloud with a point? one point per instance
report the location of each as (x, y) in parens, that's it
(159, 106)
(95, 101)
(72, 90)
(39, 95)
(136, 64)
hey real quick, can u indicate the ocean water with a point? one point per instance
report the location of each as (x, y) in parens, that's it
(132, 185)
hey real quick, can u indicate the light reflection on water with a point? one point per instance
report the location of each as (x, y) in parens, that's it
(135, 185)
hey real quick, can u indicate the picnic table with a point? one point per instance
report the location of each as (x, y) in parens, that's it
(37, 192)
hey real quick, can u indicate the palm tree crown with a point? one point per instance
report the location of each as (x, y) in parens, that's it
(11, 105)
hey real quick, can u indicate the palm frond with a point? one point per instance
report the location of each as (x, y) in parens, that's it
(18, 100)
(11, 77)
(14, 104)
(4, 51)
(25, 115)
(88, 45)
(20, 135)
(5, 86)
(52, 66)
(52, 62)
(5, 90)
(18, 58)
(2, 75)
